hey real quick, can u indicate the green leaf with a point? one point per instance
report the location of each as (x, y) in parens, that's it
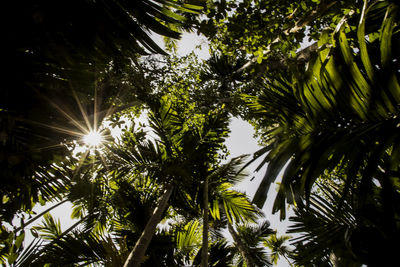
(195, 7)
(363, 46)
(34, 233)
(5, 199)
(214, 211)
(259, 58)
(189, 236)
(12, 257)
(19, 240)
(76, 212)
(386, 35)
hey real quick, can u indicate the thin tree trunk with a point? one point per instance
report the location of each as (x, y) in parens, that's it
(136, 256)
(204, 250)
(241, 246)
(333, 259)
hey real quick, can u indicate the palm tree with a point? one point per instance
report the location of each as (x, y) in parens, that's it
(204, 250)
(57, 56)
(343, 99)
(339, 113)
(112, 211)
(234, 205)
(248, 239)
(324, 222)
(276, 245)
(349, 230)
(244, 251)
(154, 158)
(86, 245)
(171, 163)
(217, 192)
(55, 185)
(175, 160)
(225, 204)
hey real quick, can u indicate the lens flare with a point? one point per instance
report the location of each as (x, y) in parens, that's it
(93, 139)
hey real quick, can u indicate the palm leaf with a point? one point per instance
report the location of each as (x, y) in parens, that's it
(346, 98)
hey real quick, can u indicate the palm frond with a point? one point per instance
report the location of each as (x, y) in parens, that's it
(251, 237)
(322, 222)
(230, 172)
(236, 205)
(276, 246)
(347, 97)
(188, 240)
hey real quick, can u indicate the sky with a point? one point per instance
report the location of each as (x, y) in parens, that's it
(240, 141)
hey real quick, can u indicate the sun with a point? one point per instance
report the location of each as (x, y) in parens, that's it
(93, 139)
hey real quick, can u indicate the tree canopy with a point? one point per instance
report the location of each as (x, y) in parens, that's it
(318, 80)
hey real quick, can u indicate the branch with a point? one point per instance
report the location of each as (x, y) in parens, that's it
(321, 9)
(39, 215)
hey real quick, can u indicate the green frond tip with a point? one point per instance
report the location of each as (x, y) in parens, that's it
(189, 236)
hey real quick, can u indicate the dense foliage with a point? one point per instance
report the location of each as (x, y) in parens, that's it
(318, 80)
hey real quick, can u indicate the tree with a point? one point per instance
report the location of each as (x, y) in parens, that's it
(107, 245)
(324, 222)
(180, 155)
(349, 230)
(156, 161)
(313, 115)
(248, 239)
(313, 120)
(236, 206)
(312, 107)
(229, 206)
(225, 204)
(55, 181)
(276, 245)
(269, 31)
(57, 56)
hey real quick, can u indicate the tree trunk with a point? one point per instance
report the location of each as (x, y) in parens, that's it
(204, 250)
(241, 246)
(136, 256)
(333, 259)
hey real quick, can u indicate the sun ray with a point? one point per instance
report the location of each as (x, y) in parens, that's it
(89, 127)
(93, 138)
(64, 113)
(57, 128)
(49, 147)
(95, 108)
(86, 125)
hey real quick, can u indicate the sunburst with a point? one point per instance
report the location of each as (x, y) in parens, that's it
(90, 132)
(93, 139)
